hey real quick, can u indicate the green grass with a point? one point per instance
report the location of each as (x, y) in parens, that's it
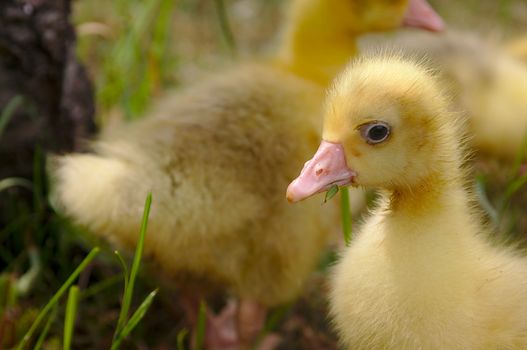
(37, 246)
(345, 214)
(55, 299)
(480, 184)
(14, 182)
(45, 331)
(200, 329)
(516, 179)
(126, 322)
(133, 64)
(225, 27)
(134, 320)
(8, 112)
(71, 314)
(345, 210)
(182, 335)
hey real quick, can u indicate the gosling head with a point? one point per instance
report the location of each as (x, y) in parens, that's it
(386, 125)
(358, 17)
(382, 15)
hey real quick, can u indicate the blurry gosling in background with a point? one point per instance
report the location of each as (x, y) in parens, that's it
(420, 274)
(488, 82)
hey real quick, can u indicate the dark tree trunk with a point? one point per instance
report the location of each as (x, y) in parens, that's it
(38, 63)
(39, 67)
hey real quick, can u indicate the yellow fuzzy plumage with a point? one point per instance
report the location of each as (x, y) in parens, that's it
(420, 274)
(216, 159)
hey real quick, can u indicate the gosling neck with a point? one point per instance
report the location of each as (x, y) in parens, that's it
(315, 45)
(438, 194)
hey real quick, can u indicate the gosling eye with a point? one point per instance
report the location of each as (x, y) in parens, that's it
(375, 132)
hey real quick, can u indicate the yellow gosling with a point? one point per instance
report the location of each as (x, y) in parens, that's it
(420, 274)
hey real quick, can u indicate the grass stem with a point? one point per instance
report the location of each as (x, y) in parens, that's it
(225, 26)
(71, 314)
(345, 214)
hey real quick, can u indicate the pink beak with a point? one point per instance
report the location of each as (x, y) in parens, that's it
(421, 15)
(327, 168)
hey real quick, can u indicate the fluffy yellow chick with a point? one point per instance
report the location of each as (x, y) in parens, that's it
(485, 80)
(319, 36)
(420, 274)
(217, 158)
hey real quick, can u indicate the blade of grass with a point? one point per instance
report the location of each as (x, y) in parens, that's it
(28, 279)
(346, 214)
(8, 112)
(225, 26)
(520, 156)
(135, 319)
(15, 181)
(38, 184)
(71, 314)
(124, 267)
(272, 322)
(328, 260)
(181, 339)
(331, 193)
(515, 182)
(200, 331)
(513, 187)
(5, 286)
(128, 293)
(45, 330)
(276, 316)
(483, 199)
(160, 40)
(54, 300)
(100, 287)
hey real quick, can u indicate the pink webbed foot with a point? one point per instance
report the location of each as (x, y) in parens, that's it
(221, 332)
(236, 327)
(251, 322)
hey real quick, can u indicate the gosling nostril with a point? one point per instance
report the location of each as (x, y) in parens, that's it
(319, 171)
